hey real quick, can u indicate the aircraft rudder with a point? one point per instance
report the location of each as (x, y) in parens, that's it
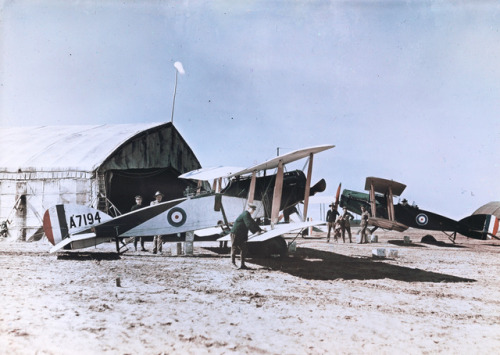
(62, 220)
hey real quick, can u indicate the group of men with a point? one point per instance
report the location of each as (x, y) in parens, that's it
(157, 239)
(340, 223)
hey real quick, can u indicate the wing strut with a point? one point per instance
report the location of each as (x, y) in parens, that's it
(251, 192)
(372, 200)
(308, 186)
(390, 204)
(278, 189)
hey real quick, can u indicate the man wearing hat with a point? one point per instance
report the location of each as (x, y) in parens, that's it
(330, 218)
(138, 205)
(239, 234)
(158, 239)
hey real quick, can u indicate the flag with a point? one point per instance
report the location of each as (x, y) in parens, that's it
(179, 67)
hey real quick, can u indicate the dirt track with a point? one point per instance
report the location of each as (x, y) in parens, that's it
(325, 298)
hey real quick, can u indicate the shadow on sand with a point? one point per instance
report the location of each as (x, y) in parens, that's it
(401, 243)
(314, 264)
(88, 256)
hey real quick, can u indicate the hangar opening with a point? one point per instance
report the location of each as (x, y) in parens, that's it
(124, 185)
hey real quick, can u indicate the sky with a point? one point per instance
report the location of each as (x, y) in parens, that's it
(405, 90)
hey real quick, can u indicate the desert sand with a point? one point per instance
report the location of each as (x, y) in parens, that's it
(324, 298)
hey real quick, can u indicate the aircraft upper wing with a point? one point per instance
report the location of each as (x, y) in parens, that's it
(278, 230)
(206, 174)
(285, 159)
(381, 185)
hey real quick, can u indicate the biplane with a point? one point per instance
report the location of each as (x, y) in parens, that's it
(379, 200)
(72, 226)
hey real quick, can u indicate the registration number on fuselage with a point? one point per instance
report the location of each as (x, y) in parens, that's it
(81, 220)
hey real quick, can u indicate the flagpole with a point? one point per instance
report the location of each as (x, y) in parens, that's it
(178, 69)
(175, 91)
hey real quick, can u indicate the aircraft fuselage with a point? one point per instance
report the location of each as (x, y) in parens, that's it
(412, 216)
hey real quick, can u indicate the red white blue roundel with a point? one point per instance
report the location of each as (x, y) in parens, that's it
(176, 217)
(422, 219)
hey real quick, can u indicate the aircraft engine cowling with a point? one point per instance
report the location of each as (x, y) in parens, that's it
(320, 186)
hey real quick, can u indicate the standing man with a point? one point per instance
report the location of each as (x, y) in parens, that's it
(138, 205)
(345, 224)
(158, 239)
(364, 224)
(239, 234)
(331, 216)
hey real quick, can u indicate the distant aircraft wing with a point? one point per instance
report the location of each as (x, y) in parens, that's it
(278, 230)
(382, 185)
(387, 224)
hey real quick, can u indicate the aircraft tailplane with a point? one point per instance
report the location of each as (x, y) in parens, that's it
(480, 226)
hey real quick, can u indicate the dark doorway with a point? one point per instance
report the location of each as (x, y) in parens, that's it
(126, 184)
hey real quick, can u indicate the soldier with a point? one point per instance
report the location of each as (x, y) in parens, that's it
(330, 218)
(364, 224)
(345, 224)
(158, 239)
(138, 205)
(239, 234)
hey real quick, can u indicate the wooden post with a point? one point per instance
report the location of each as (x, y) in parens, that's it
(278, 187)
(308, 186)
(188, 244)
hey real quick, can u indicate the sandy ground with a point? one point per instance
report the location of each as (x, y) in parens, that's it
(325, 298)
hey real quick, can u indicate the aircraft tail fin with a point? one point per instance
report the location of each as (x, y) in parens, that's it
(63, 221)
(481, 226)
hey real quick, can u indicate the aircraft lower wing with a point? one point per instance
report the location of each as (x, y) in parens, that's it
(277, 231)
(387, 224)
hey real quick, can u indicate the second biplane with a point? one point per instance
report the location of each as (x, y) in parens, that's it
(71, 226)
(482, 224)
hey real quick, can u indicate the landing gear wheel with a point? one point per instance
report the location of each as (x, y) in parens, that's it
(276, 246)
(269, 248)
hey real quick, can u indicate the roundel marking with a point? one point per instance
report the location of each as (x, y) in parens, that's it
(176, 217)
(422, 219)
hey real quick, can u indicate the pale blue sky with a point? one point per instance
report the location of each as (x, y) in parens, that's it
(406, 90)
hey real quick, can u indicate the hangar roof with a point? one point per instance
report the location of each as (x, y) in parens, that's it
(59, 148)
